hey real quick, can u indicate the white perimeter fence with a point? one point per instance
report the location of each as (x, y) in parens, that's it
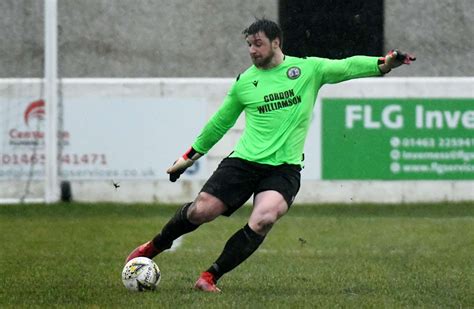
(381, 140)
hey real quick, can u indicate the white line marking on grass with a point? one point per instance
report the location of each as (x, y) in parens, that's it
(176, 244)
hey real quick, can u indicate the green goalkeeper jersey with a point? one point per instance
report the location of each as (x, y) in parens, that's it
(278, 105)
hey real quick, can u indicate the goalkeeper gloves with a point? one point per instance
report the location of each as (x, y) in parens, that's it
(185, 161)
(393, 59)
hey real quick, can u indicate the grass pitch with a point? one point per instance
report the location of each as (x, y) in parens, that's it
(326, 256)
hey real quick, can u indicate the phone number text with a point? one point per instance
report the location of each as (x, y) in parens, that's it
(66, 159)
(430, 142)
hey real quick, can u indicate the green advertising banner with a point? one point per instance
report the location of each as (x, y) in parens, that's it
(397, 139)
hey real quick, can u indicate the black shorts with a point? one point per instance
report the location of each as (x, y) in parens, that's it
(235, 180)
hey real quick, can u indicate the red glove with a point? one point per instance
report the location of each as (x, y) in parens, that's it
(180, 165)
(393, 59)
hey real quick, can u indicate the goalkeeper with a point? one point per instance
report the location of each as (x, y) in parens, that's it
(277, 94)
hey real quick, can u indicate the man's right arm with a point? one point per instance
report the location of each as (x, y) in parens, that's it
(220, 122)
(212, 132)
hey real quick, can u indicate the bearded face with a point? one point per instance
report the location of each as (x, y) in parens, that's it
(261, 49)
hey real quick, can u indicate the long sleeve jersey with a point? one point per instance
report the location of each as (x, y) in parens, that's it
(278, 105)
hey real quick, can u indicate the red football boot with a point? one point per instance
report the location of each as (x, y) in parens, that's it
(146, 250)
(206, 283)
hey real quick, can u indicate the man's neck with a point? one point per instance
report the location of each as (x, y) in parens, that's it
(276, 60)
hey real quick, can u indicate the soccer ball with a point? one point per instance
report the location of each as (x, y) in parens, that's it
(141, 274)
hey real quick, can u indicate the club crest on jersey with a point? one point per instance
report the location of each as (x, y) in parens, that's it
(293, 73)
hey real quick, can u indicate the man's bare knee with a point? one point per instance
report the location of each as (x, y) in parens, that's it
(205, 208)
(263, 224)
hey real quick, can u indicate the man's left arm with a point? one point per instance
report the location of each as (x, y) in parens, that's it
(335, 71)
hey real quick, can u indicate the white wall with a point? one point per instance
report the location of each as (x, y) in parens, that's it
(144, 42)
(212, 91)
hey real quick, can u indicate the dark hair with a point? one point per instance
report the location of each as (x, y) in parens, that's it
(270, 28)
